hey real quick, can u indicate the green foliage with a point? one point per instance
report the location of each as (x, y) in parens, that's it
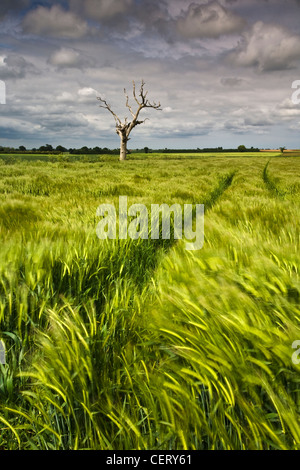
(127, 344)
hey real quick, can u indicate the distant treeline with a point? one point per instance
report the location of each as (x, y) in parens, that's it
(48, 149)
(208, 150)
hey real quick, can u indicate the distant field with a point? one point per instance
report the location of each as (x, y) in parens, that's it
(125, 344)
(133, 156)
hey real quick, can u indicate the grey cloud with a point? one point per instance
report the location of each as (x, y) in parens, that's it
(239, 126)
(100, 9)
(8, 6)
(258, 121)
(202, 95)
(210, 20)
(232, 81)
(54, 21)
(267, 47)
(179, 129)
(12, 133)
(59, 123)
(15, 66)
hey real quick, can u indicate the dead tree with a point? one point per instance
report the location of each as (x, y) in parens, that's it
(123, 129)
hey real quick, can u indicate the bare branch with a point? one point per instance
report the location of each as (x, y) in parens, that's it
(128, 105)
(154, 106)
(105, 105)
(134, 94)
(145, 103)
(140, 122)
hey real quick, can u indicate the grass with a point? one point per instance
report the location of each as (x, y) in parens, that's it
(141, 344)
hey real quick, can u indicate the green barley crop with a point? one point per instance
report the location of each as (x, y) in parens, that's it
(126, 344)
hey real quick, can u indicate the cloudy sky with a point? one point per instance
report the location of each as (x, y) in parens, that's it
(222, 70)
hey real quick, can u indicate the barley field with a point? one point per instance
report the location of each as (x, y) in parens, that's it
(141, 344)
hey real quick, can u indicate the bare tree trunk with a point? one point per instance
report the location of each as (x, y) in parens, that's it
(123, 147)
(124, 129)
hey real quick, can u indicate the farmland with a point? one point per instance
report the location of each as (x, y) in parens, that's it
(141, 344)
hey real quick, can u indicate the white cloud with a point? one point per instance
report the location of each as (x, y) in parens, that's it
(87, 91)
(54, 22)
(267, 47)
(210, 20)
(65, 97)
(66, 58)
(87, 95)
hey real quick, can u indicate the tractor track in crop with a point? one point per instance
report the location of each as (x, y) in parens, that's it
(270, 183)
